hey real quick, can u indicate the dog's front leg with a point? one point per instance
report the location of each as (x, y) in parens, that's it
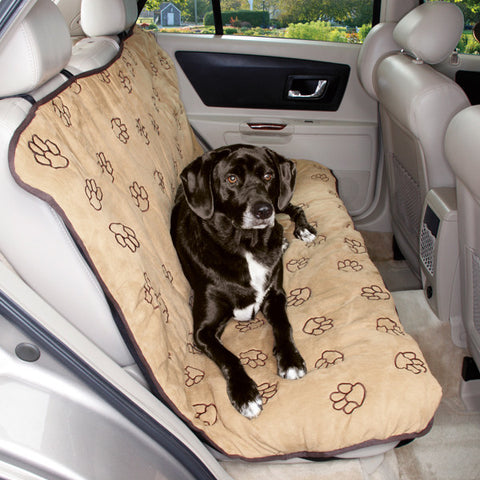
(209, 321)
(303, 230)
(290, 363)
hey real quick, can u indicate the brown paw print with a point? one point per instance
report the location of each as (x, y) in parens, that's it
(317, 325)
(164, 62)
(329, 358)
(298, 296)
(120, 130)
(319, 239)
(140, 196)
(267, 391)
(410, 362)
(349, 266)
(387, 325)
(348, 397)
(323, 177)
(154, 69)
(191, 347)
(159, 178)
(250, 325)
(253, 358)
(150, 295)
(75, 87)
(105, 77)
(193, 376)
(142, 131)
(167, 273)
(297, 264)
(105, 165)
(125, 81)
(206, 413)
(94, 193)
(47, 153)
(155, 125)
(355, 246)
(62, 111)
(125, 236)
(374, 292)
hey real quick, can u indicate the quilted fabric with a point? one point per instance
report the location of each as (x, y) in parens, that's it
(106, 152)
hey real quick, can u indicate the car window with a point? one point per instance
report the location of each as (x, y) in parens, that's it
(471, 14)
(346, 21)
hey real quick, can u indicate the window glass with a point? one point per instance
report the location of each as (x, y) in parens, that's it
(471, 14)
(346, 21)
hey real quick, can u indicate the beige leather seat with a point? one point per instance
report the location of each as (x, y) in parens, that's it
(416, 104)
(462, 147)
(33, 239)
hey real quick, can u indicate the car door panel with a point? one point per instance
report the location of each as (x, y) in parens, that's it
(235, 90)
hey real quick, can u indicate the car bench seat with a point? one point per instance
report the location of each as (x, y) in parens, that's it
(101, 155)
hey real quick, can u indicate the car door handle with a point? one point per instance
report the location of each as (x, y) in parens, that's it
(319, 91)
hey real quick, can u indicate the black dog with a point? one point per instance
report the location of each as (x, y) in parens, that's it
(230, 247)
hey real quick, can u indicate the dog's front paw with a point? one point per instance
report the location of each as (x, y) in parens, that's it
(245, 397)
(305, 233)
(285, 245)
(291, 366)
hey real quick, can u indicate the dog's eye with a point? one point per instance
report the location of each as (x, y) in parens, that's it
(268, 177)
(232, 179)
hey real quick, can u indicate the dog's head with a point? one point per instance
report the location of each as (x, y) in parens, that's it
(247, 184)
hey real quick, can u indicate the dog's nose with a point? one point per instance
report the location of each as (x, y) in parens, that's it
(262, 210)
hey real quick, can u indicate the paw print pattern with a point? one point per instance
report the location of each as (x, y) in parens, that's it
(94, 194)
(267, 391)
(62, 111)
(120, 130)
(253, 358)
(142, 131)
(329, 358)
(410, 362)
(47, 153)
(150, 295)
(154, 69)
(155, 125)
(348, 397)
(167, 273)
(140, 196)
(75, 87)
(349, 266)
(105, 165)
(387, 325)
(160, 180)
(298, 296)
(319, 239)
(249, 325)
(206, 413)
(297, 264)
(105, 77)
(374, 292)
(125, 81)
(317, 325)
(355, 246)
(164, 62)
(193, 376)
(323, 177)
(191, 347)
(125, 236)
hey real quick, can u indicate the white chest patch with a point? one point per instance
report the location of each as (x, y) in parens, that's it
(258, 278)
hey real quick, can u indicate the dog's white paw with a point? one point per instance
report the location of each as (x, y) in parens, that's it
(252, 409)
(285, 245)
(306, 236)
(292, 373)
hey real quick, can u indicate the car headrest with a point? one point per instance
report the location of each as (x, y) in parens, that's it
(34, 50)
(462, 144)
(377, 45)
(107, 17)
(431, 31)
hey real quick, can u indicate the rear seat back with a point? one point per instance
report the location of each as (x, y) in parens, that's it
(33, 238)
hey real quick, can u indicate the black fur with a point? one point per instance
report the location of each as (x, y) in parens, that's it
(225, 212)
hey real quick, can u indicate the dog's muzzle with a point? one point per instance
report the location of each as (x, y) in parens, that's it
(259, 215)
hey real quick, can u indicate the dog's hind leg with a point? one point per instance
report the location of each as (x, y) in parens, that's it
(303, 230)
(241, 389)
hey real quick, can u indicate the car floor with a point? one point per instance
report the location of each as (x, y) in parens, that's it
(450, 451)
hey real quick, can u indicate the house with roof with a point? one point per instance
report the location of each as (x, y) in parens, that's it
(168, 15)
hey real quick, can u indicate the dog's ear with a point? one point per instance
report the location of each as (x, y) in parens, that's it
(197, 185)
(286, 174)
